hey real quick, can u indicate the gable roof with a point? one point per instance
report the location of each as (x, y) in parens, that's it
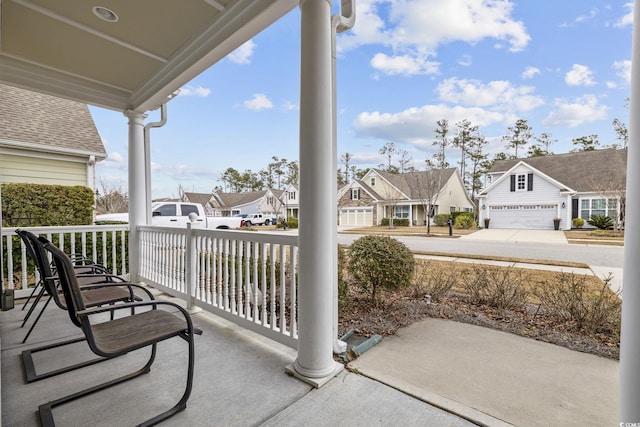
(31, 120)
(407, 182)
(202, 198)
(579, 170)
(230, 200)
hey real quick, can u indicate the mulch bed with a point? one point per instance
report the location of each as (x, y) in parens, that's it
(401, 310)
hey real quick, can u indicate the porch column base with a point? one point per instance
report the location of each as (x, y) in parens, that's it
(313, 381)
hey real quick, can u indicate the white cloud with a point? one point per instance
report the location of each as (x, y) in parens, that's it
(627, 19)
(530, 72)
(403, 64)
(113, 160)
(289, 106)
(592, 14)
(623, 69)
(582, 110)
(200, 92)
(258, 102)
(416, 28)
(416, 125)
(497, 94)
(242, 55)
(580, 75)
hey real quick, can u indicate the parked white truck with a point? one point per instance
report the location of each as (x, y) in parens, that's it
(259, 219)
(176, 214)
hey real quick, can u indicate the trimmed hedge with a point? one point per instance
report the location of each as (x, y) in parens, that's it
(36, 205)
(399, 222)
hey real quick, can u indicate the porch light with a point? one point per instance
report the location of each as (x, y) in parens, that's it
(563, 205)
(105, 14)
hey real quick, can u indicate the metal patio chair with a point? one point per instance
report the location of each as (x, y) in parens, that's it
(122, 335)
(97, 290)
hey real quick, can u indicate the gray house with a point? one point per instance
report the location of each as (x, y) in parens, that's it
(47, 140)
(535, 192)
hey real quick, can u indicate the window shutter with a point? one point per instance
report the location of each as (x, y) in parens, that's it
(351, 194)
(530, 182)
(513, 183)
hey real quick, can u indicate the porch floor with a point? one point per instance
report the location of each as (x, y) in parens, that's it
(239, 380)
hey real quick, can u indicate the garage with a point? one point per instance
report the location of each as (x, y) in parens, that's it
(361, 216)
(525, 216)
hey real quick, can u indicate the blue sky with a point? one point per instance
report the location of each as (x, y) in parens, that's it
(564, 66)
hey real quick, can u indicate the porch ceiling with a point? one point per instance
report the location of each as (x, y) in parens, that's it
(62, 48)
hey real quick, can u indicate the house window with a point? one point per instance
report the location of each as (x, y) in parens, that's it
(355, 194)
(373, 181)
(402, 212)
(452, 208)
(270, 200)
(522, 182)
(292, 195)
(598, 206)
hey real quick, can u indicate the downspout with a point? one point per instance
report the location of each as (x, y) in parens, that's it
(147, 155)
(340, 23)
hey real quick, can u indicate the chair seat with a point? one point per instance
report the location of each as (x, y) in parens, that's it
(129, 333)
(106, 294)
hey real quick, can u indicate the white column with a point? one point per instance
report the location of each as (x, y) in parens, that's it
(630, 338)
(137, 194)
(318, 251)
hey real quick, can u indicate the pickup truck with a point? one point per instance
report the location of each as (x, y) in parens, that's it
(176, 214)
(259, 219)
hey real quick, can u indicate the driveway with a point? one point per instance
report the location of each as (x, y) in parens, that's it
(517, 235)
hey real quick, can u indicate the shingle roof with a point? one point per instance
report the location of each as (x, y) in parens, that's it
(236, 199)
(407, 182)
(202, 198)
(47, 121)
(580, 170)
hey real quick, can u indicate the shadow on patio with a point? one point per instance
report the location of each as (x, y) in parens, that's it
(240, 380)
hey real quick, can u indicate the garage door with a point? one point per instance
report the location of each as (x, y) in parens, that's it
(526, 216)
(356, 216)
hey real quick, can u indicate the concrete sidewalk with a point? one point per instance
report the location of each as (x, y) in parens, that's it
(495, 378)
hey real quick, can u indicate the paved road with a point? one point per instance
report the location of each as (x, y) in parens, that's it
(600, 255)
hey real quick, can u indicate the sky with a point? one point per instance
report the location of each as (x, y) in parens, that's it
(564, 66)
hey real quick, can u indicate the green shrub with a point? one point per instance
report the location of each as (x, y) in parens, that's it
(577, 222)
(291, 222)
(399, 222)
(496, 287)
(569, 299)
(343, 285)
(601, 222)
(33, 205)
(464, 221)
(380, 262)
(441, 219)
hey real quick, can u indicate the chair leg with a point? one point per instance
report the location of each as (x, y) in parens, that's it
(45, 410)
(29, 366)
(35, 322)
(31, 295)
(33, 306)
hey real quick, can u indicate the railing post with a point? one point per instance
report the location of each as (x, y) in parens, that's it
(190, 267)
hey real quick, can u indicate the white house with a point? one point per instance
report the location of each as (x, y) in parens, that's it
(533, 193)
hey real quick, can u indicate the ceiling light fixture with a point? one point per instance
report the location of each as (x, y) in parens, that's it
(105, 14)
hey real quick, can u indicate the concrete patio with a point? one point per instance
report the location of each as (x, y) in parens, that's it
(240, 380)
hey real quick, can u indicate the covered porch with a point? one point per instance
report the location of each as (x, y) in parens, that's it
(58, 48)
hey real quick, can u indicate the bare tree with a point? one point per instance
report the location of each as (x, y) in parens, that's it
(613, 189)
(426, 186)
(111, 198)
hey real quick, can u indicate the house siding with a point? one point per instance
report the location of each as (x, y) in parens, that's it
(37, 170)
(453, 195)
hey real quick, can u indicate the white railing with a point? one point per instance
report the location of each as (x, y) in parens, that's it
(249, 278)
(105, 244)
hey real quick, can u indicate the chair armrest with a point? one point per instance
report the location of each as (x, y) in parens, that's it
(128, 305)
(122, 284)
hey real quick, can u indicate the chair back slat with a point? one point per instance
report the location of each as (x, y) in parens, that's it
(37, 252)
(68, 281)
